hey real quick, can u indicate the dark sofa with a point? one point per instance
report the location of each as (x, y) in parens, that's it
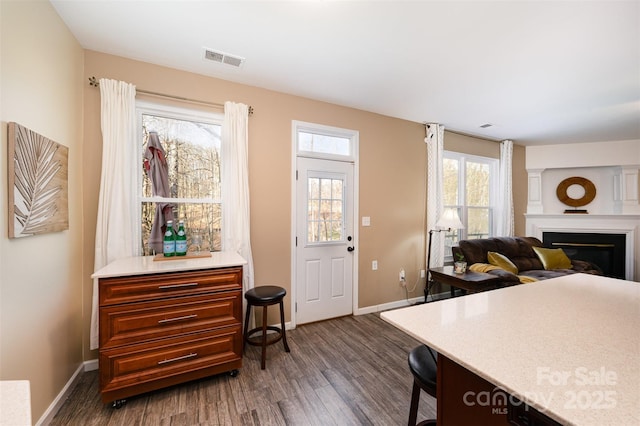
(520, 252)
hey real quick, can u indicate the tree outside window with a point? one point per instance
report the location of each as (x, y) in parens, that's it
(469, 184)
(192, 147)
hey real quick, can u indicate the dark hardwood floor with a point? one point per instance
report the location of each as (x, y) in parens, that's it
(346, 371)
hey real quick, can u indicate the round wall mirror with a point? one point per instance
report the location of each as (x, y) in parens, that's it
(576, 191)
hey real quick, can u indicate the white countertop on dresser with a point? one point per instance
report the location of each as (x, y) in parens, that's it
(568, 346)
(15, 402)
(143, 265)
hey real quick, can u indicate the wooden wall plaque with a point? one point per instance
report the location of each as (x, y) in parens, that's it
(38, 183)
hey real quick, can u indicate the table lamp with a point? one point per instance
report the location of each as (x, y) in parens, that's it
(448, 221)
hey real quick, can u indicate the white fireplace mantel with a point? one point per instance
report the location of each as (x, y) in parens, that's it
(613, 167)
(629, 225)
(617, 189)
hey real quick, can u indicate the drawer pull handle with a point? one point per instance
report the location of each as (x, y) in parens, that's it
(180, 358)
(170, 286)
(182, 318)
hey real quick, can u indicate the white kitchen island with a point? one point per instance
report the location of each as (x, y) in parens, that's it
(568, 347)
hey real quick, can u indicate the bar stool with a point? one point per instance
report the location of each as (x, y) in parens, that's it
(265, 296)
(423, 366)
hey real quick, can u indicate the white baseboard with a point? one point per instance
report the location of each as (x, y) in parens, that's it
(390, 305)
(52, 410)
(400, 304)
(91, 365)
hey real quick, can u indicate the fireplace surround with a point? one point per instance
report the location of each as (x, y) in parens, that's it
(624, 227)
(605, 250)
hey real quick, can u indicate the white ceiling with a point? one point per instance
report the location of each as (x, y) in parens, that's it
(541, 72)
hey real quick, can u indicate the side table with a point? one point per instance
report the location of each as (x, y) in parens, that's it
(471, 282)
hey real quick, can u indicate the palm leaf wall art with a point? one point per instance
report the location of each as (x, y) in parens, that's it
(38, 173)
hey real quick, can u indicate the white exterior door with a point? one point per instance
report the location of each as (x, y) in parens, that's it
(324, 239)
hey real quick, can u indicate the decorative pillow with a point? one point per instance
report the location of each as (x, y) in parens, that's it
(552, 258)
(502, 261)
(483, 267)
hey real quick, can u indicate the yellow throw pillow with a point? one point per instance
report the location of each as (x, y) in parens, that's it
(553, 258)
(525, 279)
(483, 267)
(502, 261)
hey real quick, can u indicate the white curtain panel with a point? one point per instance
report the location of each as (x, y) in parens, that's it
(504, 225)
(116, 226)
(236, 234)
(435, 150)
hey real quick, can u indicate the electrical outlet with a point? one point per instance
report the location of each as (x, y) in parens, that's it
(423, 273)
(402, 275)
(374, 265)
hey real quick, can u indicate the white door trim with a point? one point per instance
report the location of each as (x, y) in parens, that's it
(295, 125)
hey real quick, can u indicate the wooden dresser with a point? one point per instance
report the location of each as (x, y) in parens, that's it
(167, 322)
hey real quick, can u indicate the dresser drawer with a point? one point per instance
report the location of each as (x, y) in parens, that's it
(140, 322)
(140, 288)
(158, 364)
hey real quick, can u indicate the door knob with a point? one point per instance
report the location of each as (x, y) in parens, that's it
(351, 248)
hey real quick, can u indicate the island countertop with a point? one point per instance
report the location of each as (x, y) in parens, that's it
(143, 265)
(568, 346)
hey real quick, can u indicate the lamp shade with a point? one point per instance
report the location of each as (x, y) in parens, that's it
(450, 220)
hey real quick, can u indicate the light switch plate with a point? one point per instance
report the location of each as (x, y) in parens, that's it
(366, 221)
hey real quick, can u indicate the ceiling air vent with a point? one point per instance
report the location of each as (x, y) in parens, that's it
(223, 58)
(486, 126)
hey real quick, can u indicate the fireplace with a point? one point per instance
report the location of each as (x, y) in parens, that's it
(594, 225)
(605, 250)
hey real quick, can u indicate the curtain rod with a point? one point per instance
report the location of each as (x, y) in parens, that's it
(427, 125)
(95, 83)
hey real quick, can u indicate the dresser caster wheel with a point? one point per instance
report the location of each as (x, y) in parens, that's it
(233, 373)
(118, 403)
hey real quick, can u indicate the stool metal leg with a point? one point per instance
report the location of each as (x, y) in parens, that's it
(246, 326)
(284, 335)
(415, 399)
(264, 336)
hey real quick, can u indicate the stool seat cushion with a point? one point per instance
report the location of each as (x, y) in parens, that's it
(265, 293)
(423, 366)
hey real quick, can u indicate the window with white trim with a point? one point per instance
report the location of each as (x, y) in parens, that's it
(318, 141)
(191, 140)
(469, 186)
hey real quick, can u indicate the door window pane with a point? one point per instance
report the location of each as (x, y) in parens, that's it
(324, 216)
(323, 144)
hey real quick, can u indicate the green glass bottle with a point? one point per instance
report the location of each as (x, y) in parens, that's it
(181, 240)
(169, 241)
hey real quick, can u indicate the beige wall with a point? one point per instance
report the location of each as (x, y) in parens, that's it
(41, 318)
